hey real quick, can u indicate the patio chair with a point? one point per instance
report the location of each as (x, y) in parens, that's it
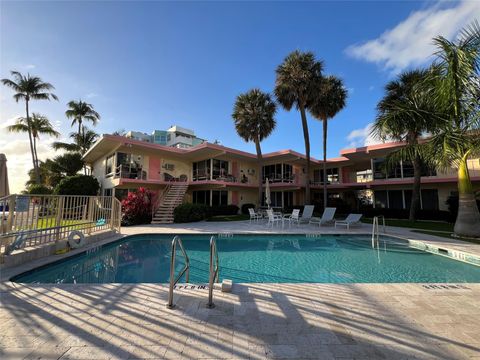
(351, 220)
(273, 218)
(307, 214)
(327, 217)
(294, 217)
(253, 215)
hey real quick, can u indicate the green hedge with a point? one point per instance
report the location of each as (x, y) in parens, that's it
(38, 189)
(78, 185)
(189, 213)
(245, 208)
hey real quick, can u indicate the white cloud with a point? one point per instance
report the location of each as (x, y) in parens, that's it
(19, 159)
(30, 66)
(410, 42)
(91, 95)
(362, 137)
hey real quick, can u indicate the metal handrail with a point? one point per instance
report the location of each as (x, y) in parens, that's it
(375, 230)
(186, 269)
(214, 270)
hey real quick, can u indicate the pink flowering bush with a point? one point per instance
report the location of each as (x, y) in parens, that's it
(137, 207)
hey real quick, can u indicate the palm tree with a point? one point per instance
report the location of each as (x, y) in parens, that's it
(39, 124)
(253, 115)
(327, 102)
(455, 140)
(80, 111)
(28, 88)
(404, 114)
(295, 86)
(81, 142)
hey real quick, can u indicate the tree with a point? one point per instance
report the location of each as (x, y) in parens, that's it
(81, 142)
(295, 85)
(78, 185)
(28, 88)
(253, 115)
(404, 114)
(328, 100)
(79, 112)
(39, 124)
(456, 92)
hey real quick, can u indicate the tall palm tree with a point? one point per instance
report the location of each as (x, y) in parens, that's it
(455, 140)
(404, 114)
(295, 85)
(28, 88)
(39, 124)
(329, 100)
(79, 111)
(253, 115)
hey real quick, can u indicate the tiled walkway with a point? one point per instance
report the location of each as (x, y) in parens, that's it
(311, 321)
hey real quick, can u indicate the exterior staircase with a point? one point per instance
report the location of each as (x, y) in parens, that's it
(170, 199)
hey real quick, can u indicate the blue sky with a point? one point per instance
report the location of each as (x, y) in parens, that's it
(148, 65)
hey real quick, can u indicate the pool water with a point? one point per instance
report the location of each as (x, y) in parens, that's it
(258, 259)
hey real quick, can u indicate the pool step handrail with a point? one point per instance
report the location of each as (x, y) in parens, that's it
(375, 230)
(186, 269)
(214, 271)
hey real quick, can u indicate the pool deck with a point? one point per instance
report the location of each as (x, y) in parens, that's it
(254, 321)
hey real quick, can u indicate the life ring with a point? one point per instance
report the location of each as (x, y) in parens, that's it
(16, 243)
(76, 239)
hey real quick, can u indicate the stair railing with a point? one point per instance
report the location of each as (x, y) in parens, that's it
(159, 200)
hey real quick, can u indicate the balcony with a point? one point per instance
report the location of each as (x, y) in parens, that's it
(128, 172)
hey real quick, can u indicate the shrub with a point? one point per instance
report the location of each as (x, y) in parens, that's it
(189, 213)
(78, 185)
(223, 210)
(245, 208)
(38, 189)
(137, 207)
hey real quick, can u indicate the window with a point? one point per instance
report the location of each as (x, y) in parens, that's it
(379, 168)
(429, 199)
(219, 197)
(380, 199)
(288, 199)
(107, 192)
(220, 168)
(201, 170)
(332, 175)
(408, 198)
(407, 169)
(201, 197)
(279, 199)
(395, 199)
(109, 164)
(277, 172)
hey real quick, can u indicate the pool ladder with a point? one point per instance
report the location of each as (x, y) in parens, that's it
(376, 232)
(213, 270)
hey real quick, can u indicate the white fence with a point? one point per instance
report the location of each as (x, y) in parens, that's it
(30, 220)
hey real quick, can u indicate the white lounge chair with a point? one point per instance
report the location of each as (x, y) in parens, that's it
(273, 218)
(253, 215)
(327, 217)
(351, 220)
(294, 217)
(307, 214)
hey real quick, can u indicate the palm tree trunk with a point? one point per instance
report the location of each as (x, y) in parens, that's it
(415, 203)
(259, 172)
(79, 127)
(468, 218)
(325, 195)
(306, 137)
(34, 158)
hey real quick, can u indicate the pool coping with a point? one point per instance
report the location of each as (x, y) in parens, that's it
(8, 273)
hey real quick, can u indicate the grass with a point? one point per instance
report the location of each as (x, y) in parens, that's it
(239, 217)
(419, 224)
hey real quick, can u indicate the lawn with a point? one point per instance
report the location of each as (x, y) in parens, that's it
(420, 224)
(239, 217)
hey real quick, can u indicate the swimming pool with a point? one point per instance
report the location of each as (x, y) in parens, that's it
(258, 259)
